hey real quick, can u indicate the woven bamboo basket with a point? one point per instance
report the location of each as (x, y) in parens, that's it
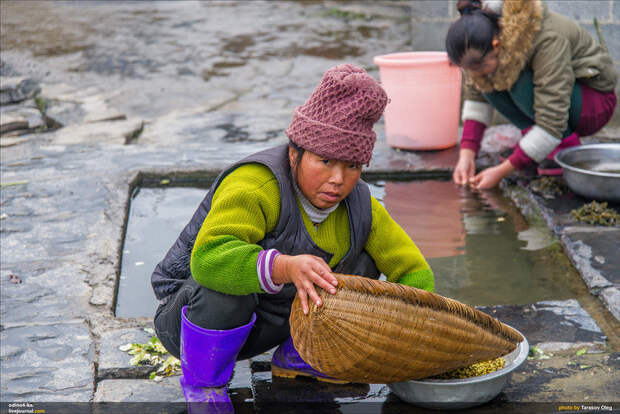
(372, 331)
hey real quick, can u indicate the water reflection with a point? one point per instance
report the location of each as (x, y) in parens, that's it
(309, 395)
(480, 247)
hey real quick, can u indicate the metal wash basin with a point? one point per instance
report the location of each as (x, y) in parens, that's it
(592, 171)
(461, 393)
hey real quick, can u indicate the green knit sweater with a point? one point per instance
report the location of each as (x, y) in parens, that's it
(246, 207)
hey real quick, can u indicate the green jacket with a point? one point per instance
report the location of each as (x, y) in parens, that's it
(557, 50)
(246, 206)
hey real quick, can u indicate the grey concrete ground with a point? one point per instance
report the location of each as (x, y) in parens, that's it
(77, 140)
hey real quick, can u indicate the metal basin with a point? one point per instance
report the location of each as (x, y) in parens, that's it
(461, 393)
(592, 171)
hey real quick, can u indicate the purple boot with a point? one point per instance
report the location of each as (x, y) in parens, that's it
(207, 360)
(287, 363)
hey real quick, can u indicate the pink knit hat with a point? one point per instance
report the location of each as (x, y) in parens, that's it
(336, 121)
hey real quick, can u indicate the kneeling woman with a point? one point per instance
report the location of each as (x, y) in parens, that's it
(275, 224)
(542, 71)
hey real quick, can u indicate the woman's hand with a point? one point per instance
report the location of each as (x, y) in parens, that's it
(465, 167)
(490, 177)
(304, 271)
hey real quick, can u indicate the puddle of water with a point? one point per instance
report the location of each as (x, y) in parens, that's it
(156, 218)
(480, 247)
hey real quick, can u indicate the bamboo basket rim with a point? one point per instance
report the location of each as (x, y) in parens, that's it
(434, 301)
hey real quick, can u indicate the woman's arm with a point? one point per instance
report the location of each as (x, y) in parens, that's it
(477, 114)
(395, 254)
(245, 207)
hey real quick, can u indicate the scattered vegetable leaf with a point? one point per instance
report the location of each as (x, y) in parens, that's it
(153, 353)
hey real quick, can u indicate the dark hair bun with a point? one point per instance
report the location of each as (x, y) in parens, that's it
(468, 6)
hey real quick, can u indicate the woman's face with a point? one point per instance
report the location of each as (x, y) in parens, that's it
(489, 62)
(488, 66)
(324, 182)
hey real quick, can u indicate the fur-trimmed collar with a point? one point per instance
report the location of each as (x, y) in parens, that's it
(520, 22)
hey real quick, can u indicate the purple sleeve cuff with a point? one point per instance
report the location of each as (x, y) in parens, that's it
(519, 159)
(472, 135)
(264, 268)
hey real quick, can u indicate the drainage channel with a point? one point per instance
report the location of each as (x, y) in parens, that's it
(480, 247)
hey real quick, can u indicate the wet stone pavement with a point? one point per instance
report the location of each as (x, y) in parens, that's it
(91, 109)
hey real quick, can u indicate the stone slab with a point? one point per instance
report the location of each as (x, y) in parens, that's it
(63, 113)
(11, 141)
(25, 116)
(139, 390)
(114, 363)
(107, 132)
(42, 295)
(230, 125)
(47, 363)
(15, 89)
(97, 110)
(67, 105)
(554, 322)
(611, 299)
(262, 362)
(242, 375)
(602, 244)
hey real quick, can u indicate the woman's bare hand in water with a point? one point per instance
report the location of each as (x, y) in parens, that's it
(465, 167)
(490, 177)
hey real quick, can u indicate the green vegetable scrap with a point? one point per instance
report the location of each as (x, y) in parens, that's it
(537, 353)
(549, 187)
(153, 353)
(474, 370)
(41, 103)
(596, 213)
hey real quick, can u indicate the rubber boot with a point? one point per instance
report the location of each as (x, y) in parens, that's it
(286, 362)
(548, 166)
(207, 361)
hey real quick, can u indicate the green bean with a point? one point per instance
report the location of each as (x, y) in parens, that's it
(474, 370)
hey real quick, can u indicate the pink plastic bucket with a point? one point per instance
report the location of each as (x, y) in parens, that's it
(425, 94)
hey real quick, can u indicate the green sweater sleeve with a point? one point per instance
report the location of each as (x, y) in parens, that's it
(395, 254)
(245, 207)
